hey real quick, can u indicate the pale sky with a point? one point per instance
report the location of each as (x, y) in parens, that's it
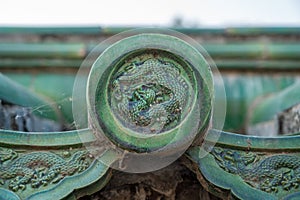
(212, 13)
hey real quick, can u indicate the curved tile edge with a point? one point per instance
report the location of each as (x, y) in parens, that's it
(256, 170)
(49, 170)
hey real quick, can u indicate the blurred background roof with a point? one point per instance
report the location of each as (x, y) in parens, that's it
(167, 13)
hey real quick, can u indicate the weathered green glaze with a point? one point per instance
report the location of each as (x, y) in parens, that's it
(116, 89)
(56, 165)
(261, 55)
(52, 165)
(114, 30)
(42, 50)
(15, 93)
(250, 167)
(48, 165)
(242, 90)
(272, 105)
(49, 86)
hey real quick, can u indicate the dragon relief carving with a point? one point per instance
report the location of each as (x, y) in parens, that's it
(271, 174)
(150, 93)
(38, 168)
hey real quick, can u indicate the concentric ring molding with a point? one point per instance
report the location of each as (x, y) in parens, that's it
(103, 120)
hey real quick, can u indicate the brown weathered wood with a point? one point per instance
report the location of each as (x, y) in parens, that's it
(173, 182)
